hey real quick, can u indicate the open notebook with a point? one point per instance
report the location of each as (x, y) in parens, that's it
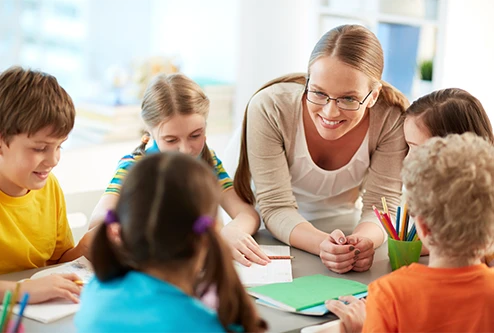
(58, 308)
(276, 271)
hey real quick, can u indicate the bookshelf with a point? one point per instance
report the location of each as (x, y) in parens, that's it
(410, 32)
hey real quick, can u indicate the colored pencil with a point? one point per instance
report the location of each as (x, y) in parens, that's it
(385, 205)
(404, 214)
(80, 283)
(388, 227)
(5, 303)
(13, 301)
(392, 228)
(398, 217)
(23, 304)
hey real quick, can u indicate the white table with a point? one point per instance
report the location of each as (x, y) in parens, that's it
(278, 321)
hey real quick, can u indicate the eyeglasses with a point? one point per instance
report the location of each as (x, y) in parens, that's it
(343, 103)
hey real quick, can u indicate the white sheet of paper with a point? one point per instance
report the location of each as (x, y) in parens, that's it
(274, 272)
(81, 267)
(50, 311)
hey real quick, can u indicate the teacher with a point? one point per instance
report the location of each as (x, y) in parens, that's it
(323, 148)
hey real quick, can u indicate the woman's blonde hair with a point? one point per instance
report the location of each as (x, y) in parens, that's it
(353, 45)
(450, 184)
(169, 95)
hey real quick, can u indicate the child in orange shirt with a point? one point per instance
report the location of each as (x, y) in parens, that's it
(450, 192)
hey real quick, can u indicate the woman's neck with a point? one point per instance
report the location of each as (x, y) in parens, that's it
(181, 278)
(441, 261)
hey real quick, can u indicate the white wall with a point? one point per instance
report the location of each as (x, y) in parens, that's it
(118, 32)
(203, 33)
(468, 58)
(275, 38)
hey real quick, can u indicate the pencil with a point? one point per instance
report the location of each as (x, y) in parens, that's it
(13, 301)
(80, 283)
(5, 303)
(385, 205)
(280, 257)
(23, 304)
(404, 214)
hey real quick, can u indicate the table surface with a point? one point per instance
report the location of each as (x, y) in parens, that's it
(303, 264)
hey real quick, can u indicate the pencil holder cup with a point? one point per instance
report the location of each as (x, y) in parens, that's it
(402, 253)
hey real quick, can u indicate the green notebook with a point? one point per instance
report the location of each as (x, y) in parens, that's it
(307, 291)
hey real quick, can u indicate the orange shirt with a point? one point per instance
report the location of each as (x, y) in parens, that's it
(418, 298)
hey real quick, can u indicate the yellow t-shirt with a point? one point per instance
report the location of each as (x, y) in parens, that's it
(33, 228)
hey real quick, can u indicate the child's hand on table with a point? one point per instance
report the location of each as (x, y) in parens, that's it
(53, 286)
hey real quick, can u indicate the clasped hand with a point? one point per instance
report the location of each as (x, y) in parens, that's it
(340, 253)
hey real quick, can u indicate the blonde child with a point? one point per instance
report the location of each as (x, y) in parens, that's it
(36, 115)
(156, 248)
(450, 193)
(175, 111)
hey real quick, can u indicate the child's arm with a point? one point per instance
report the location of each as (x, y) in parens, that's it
(237, 233)
(81, 249)
(46, 288)
(105, 203)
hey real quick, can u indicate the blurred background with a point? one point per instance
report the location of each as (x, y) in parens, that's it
(105, 51)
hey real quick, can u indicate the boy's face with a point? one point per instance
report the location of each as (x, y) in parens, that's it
(27, 161)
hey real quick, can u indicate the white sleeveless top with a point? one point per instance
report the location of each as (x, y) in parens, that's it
(326, 193)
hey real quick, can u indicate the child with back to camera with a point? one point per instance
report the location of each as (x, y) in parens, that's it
(159, 251)
(450, 192)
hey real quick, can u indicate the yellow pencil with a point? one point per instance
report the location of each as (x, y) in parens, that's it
(80, 283)
(385, 205)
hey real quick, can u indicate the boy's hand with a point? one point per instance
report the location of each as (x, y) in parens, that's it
(350, 310)
(50, 287)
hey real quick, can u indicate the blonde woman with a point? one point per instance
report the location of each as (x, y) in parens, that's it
(316, 143)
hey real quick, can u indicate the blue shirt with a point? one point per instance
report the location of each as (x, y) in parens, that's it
(138, 302)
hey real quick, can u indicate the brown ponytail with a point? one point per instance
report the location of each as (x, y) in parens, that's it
(206, 155)
(106, 262)
(141, 149)
(241, 181)
(235, 306)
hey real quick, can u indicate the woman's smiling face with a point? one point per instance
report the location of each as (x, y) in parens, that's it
(330, 76)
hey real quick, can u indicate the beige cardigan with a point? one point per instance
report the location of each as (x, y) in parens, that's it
(272, 118)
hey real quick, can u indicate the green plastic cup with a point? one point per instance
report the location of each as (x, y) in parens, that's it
(403, 253)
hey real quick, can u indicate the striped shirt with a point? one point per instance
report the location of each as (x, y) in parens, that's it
(128, 161)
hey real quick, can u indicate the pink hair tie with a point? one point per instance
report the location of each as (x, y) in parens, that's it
(202, 224)
(111, 217)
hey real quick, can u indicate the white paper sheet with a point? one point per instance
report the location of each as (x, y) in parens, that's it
(276, 271)
(55, 309)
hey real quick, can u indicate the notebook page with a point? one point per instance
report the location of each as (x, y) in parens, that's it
(81, 267)
(276, 271)
(50, 311)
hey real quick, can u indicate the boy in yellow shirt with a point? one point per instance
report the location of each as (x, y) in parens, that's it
(36, 116)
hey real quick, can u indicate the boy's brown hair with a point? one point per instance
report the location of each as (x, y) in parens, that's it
(32, 100)
(450, 184)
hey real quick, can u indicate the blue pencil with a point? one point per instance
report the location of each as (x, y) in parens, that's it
(412, 233)
(22, 307)
(398, 216)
